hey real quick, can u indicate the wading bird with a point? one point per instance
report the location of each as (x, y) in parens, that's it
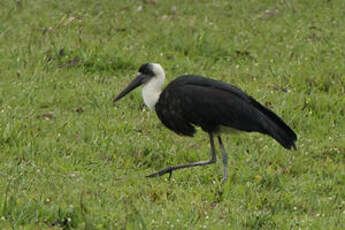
(215, 106)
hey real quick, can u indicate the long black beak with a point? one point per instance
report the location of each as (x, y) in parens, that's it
(139, 80)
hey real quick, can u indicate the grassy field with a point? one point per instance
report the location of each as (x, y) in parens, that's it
(70, 159)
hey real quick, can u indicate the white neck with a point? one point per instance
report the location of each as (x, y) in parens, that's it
(153, 88)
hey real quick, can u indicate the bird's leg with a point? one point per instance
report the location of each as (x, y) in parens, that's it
(225, 159)
(170, 174)
(199, 163)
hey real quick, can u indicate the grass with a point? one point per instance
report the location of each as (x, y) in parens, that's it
(70, 159)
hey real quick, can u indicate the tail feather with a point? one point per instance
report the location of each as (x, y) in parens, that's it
(276, 127)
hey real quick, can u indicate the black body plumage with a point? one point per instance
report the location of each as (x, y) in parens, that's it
(195, 100)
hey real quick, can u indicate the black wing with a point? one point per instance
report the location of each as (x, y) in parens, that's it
(194, 100)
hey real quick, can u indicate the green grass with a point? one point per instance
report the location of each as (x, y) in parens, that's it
(70, 159)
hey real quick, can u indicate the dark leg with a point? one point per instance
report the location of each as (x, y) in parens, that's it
(199, 163)
(225, 159)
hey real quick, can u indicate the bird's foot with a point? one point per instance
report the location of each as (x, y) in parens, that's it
(162, 172)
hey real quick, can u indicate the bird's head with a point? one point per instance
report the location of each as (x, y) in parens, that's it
(149, 73)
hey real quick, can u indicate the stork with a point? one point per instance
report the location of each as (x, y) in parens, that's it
(216, 107)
